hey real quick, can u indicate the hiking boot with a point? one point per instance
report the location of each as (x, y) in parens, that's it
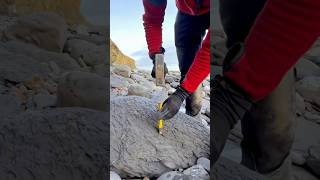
(228, 105)
(194, 102)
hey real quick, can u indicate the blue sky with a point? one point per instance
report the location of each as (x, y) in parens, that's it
(126, 30)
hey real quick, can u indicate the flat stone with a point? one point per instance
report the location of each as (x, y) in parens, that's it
(19, 68)
(122, 70)
(137, 77)
(90, 53)
(118, 82)
(45, 30)
(62, 60)
(138, 90)
(81, 89)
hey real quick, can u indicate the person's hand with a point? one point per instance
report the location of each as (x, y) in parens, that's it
(173, 103)
(152, 57)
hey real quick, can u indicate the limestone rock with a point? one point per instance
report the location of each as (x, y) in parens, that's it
(101, 69)
(90, 53)
(159, 95)
(170, 78)
(307, 134)
(82, 89)
(122, 70)
(174, 84)
(197, 170)
(63, 61)
(43, 101)
(309, 87)
(95, 39)
(313, 161)
(204, 162)
(19, 68)
(148, 84)
(298, 158)
(9, 105)
(138, 90)
(137, 77)
(306, 68)
(118, 82)
(114, 176)
(45, 30)
(62, 143)
(314, 54)
(173, 175)
(138, 150)
(300, 173)
(300, 104)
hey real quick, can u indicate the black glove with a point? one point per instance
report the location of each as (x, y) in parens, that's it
(173, 103)
(153, 57)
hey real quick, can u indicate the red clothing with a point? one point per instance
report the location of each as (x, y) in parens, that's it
(154, 15)
(153, 19)
(282, 33)
(200, 67)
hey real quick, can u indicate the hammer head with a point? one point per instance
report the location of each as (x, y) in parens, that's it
(159, 60)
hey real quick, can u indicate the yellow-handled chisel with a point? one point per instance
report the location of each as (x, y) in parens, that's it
(160, 122)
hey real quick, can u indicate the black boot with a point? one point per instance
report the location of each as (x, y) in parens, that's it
(194, 102)
(228, 105)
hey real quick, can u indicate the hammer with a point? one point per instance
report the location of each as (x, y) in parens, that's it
(159, 60)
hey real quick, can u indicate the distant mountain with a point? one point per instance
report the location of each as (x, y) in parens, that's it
(118, 58)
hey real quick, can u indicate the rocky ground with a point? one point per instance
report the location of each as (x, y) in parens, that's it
(54, 111)
(53, 99)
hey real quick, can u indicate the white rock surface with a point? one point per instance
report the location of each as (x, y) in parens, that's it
(123, 70)
(197, 171)
(204, 162)
(114, 176)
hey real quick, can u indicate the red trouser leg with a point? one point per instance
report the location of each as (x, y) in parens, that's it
(282, 33)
